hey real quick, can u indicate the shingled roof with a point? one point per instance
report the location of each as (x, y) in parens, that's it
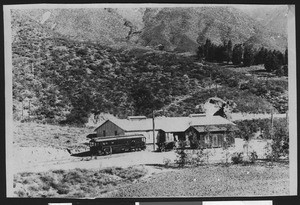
(168, 124)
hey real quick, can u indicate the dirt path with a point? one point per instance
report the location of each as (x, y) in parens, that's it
(33, 159)
(40, 160)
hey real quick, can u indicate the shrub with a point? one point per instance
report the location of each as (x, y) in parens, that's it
(129, 173)
(181, 154)
(253, 156)
(62, 188)
(166, 162)
(196, 158)
(237, 157)
(21, 193)
(181, 157)
(279, 147)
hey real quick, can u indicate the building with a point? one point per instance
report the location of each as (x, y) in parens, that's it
(210, 131)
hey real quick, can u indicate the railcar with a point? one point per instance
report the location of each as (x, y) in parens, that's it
(115, 144)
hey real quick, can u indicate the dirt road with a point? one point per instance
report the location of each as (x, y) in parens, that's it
(38, 159)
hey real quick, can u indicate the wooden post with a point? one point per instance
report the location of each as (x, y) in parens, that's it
(153, 124)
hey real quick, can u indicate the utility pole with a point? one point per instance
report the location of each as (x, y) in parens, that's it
(22, 110)
(153, 124)
(272, 123)
(29, 109)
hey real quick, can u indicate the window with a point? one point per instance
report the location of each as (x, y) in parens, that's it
(207, 139)
(116, 132)
(104, 133)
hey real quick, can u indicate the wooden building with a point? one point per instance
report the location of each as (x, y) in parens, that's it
(209, 131)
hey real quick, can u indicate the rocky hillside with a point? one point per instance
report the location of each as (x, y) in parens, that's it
(98, 25)
(177, 29)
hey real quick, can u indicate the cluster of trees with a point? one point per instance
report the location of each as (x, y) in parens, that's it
(244, 54)
(277, 131)
(212, 52)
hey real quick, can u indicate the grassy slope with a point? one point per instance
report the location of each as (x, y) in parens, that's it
(59, 137)
(214, 181)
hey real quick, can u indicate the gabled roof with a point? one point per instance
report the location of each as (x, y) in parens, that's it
(213, 128)
(172, 124)
(130, 125)
(168, 124)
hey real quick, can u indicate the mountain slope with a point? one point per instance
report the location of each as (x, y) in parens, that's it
(101, 25)
(182, 29)
(178, 29)
(272, 17)
(56, 79)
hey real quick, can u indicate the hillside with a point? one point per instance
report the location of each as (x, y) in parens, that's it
(178, 29)
(273, 18)
(182, 29)
(100, 25)
(59, 80)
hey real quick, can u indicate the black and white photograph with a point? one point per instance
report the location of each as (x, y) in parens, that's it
(150, 100)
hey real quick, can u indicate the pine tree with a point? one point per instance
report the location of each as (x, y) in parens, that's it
(207, 47)
(271, 62)
(200, 52)
(220, 53)
(229, 51)
(248, 58)
(279, 56)
(260, 56)
(211, 53)
(237, 54)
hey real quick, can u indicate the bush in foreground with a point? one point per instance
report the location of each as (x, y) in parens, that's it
(73, 183)
(241, 158)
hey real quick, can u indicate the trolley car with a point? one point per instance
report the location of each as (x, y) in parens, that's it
(114, 144)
